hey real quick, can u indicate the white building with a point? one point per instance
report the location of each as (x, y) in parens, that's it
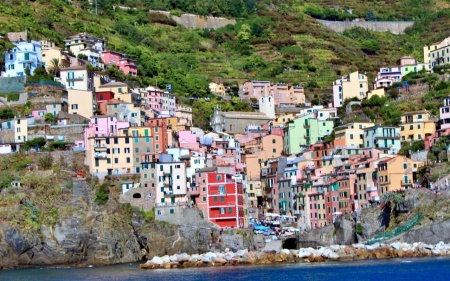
(24, 55)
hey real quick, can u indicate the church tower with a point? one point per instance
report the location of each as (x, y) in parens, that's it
(267, 104)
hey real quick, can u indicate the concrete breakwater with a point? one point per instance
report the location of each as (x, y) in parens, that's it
(331, 253)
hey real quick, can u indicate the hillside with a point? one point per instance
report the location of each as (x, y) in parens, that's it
(279, 42)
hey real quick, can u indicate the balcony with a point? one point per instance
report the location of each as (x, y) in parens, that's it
(297, 213)
(269, 196)
(74, 79)
(371, 188)
(167, 183)
(100, 155)
(167, 174)
(101, 147)
(168, 193)
(385, 182)
(406, 183)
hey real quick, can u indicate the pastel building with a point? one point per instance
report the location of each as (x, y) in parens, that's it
(161, 102)
(81, 102)
(39, 113)
(384, 138)
(417, 125)
(171, 186)
(124, 111)
(126, 65)
(111, 147)
(436, 54)
(281, 92)
(350, 86)
(396, 173)
(76, 77)
(305, 130)
(351, 134)
(217, 89)
(86, 44)
(387, 76)
(119, 89)
(444, 114)
(22, 56)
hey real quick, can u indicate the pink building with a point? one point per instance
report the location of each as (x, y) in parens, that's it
(162, 103)
(39, 113)
(187, 139)
(281, 92)
(388, 76)
(128, 66)
(102, 126)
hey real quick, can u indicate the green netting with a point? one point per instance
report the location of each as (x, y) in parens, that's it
(398, 230)
(48, 83)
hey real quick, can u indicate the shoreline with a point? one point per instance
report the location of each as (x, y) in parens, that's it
(333, 253)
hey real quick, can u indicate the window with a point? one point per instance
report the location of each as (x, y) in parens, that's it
(273, 140)
(74, 106)
(351, 136)
(274, 150)
(128, 159)
(405, 166)
(127, 140)
(219, 177)
(136, 150)
(360, 85)
(221, 189)
(230, 210)
(215, 198)
(172, 211)
(116, 140)
(204, 198)
(116, 160)
(157, 138)
(222, 198)
(222, 211)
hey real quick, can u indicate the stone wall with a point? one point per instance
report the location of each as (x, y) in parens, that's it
(70, 133)
(395, 27)
(7, 136)
(194, 21)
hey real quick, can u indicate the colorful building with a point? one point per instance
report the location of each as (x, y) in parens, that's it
(384, 138)
(24, 55)
(305, 130)
(417, 125)
(349, 86)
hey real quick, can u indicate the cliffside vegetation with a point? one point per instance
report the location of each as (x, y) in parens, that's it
(273, 40)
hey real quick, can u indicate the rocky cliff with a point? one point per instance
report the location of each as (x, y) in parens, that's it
(89, 234)
(195, 21)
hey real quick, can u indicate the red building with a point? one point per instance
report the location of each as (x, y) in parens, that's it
(158, 127)
(225, 201)
(104, 96)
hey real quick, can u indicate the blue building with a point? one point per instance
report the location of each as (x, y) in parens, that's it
(23, 55)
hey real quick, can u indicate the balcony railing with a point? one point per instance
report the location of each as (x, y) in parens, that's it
(170, 192)
(385, 182)
(100, 147)
(100, 155)
(406, 183)
(79, 78)
(371, 188)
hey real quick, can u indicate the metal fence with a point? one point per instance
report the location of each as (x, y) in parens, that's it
(48, 83)
(396, 231)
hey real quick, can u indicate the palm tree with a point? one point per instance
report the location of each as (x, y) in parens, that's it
(55, 66)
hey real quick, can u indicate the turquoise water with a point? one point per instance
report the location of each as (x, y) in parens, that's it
(380, 270)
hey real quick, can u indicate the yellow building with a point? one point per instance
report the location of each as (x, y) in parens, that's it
(281, 120)
(381, 92)
(353, 85)
(81, 102)
(396, 173)
(352, 134)
(217, 89)
(416, 125)
(20, 130)
(428, 49)
(119, 89)
(53, 53)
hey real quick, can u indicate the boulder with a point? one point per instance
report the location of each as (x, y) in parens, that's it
(157, 260)
(362, 253)
(242, 252)
(383, 252)
(395, 245)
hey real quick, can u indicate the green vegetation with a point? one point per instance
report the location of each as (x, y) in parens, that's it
(14, 96)
(37, 142)
(102, 195)
(272, 40)
(359, 229)
(45, 162)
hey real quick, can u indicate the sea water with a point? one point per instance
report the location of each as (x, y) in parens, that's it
(378, 270)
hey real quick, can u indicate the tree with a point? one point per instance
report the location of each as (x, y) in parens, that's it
(55, 66)
(370, 47)
(370, 16)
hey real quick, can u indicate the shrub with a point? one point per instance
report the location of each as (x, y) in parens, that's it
(40, 142)
(359, 229)
(370, 46)
(45, 162)
(102, 195)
